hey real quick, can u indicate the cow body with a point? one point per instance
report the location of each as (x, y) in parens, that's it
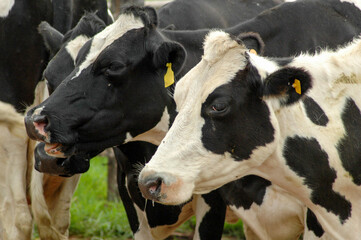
(191, 15)
(295, 133)
(15, 216)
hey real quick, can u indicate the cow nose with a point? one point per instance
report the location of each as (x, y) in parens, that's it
(151, 187)
(40, 122)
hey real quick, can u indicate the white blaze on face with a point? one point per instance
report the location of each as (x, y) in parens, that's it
(5, 7)
(124, 23)
(75, 45)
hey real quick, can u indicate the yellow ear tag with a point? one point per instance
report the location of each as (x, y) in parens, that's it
(169, 76)
(253, 51)
(297, 86)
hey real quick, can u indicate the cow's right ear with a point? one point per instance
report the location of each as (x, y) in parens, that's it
(170, 52)
(253, 41)
(288, 85)
(52, 37)
(152, 13)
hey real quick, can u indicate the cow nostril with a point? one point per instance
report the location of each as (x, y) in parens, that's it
(40, 122)
(40, 119)
(154, 186)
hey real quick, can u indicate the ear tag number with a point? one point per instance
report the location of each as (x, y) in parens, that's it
(169, 76)
(253, 51)
(297, 86)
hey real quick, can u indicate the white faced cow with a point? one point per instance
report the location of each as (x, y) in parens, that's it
(296, 123)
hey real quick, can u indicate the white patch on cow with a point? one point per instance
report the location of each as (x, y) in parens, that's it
(75, 45)
(144, 229)
(263, 65)
(123, 24)
(38, 111)
(5, 7)
(357, 3)
(291, 217)
(202, 208)
(154, 135)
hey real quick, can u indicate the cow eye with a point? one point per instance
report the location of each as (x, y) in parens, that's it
(114, 69)
(219, 108)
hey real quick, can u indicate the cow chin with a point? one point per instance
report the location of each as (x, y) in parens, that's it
(65, 167)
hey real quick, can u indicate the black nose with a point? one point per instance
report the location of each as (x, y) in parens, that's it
(151, 187)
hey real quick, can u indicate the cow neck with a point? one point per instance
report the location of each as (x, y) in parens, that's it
(157, 133)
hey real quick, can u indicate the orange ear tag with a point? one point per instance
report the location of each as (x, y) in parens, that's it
(297, 86)
(169, 76)
(253, 51)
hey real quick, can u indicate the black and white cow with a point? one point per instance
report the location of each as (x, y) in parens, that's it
(191, 15)
(21, 48)
(114, 85)
(296, 124)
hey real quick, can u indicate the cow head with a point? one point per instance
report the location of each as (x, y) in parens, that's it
(226, 125)
(65, 48)
(116, 92)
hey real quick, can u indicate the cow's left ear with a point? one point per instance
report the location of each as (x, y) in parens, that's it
(52, 37)
(287, 84)
(170, 52)
(253, 41)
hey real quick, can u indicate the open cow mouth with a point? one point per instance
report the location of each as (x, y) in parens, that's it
(54, 149)
(58, 150)
(65, 167)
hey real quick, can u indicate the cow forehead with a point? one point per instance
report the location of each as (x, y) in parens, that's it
(223, 58)
(73, 46)
(123, 24)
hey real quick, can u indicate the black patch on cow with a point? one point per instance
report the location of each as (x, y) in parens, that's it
(349, 147)
(245, 123)
(123, 191)
(313, 224)
(280, 84)
(245, 191)
(306, 157)
(136, 154)
(314, 112)
(211, 226)
(282, 61)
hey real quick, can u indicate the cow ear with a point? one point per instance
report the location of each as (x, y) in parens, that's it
(287, 84)
(52, 37)
(170, 52)
(253, 41)
(153, 17)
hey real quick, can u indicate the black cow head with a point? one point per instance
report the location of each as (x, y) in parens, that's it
(65, 48)
(116, 91)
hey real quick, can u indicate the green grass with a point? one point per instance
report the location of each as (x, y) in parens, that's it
(91, 214)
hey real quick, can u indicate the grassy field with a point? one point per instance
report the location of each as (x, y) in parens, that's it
(95, 218)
